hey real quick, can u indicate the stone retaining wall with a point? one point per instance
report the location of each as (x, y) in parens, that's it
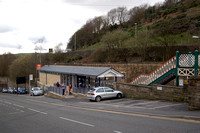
(160, 92)
(194, 93)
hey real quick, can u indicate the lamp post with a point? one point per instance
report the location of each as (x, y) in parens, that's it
(135, 33)
(197, 37)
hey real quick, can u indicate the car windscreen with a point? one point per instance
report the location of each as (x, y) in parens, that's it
(92, 90)
(36, 89)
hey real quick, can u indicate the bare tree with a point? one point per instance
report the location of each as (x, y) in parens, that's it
(112, 16)
(57, 48)
(105, 21)
(97, 24)
(122, 15)
(41, 40)
(170, 2)
(39, 46)
(137, 14)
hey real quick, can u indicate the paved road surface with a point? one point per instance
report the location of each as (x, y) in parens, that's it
(25, 114)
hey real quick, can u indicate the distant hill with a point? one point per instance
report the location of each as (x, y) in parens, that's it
(172, 23)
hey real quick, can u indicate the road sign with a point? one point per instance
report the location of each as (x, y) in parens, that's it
(39, 66)
(20, 80)
(30, 76)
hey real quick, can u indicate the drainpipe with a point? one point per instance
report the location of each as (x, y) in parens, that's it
(46, 78)
(196, 53)
(99, 81)
(89, 82)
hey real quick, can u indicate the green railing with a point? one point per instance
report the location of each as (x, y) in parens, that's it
(181, 62)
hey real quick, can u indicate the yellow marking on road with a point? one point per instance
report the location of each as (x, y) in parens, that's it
(123, 113)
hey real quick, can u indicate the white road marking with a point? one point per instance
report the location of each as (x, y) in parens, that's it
(134, 106)
(37, 111)
(145, 103)
(90, 125)
(7, 102)
(166, 106)
(117, 132)
(43, 113)
(18, 105)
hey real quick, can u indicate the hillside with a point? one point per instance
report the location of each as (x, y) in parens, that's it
(123, 34)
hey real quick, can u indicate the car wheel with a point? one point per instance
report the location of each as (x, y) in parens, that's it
(119, 95)
(98, 99)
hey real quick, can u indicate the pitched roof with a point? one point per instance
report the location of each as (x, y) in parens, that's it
(75, 70)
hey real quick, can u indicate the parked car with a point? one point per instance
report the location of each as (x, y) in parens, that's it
(22, 90)
(35, 91)
(5, 90)
(15, 91)
(11, 90)
(103, 93)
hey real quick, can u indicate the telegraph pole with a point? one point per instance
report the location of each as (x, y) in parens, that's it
(75, 42)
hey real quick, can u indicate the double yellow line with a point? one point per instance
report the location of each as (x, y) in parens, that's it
(123, 113)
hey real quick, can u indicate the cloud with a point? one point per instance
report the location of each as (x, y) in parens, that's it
(10, 45)
(106, 5)
(24, 22)
(6, 28)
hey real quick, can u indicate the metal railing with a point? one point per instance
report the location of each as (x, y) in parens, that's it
(146, 79)
(55, 89)
(80, 90)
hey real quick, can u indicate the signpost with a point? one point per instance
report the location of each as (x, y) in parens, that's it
(39, 66)
(30, 78)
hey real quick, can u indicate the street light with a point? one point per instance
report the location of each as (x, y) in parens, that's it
(197, 37)
(135, 33)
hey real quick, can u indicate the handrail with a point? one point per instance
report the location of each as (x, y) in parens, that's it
(148, 78)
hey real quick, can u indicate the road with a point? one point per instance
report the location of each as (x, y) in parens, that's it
(40, 114)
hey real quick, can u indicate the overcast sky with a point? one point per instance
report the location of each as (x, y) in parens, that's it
(23, 22)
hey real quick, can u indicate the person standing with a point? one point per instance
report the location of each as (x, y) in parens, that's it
(57, 84)
(70, 86)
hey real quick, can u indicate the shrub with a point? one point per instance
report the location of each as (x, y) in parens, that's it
(99, 55)
(68, 60)
(77, 57)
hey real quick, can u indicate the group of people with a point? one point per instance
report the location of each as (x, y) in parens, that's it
(63, 88)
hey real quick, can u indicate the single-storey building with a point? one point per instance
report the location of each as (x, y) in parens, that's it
(79, 77)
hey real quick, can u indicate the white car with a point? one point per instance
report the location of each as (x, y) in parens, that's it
(103, 93)
(36, 91)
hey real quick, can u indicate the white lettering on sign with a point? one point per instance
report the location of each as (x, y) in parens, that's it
(159, 88)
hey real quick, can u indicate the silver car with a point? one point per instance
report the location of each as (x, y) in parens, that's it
(11, 90)
(36, 91)
(5, 90)
(102, 93)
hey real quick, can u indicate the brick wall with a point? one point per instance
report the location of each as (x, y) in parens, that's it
(51, 78)
(161, 92)
(42, 77)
